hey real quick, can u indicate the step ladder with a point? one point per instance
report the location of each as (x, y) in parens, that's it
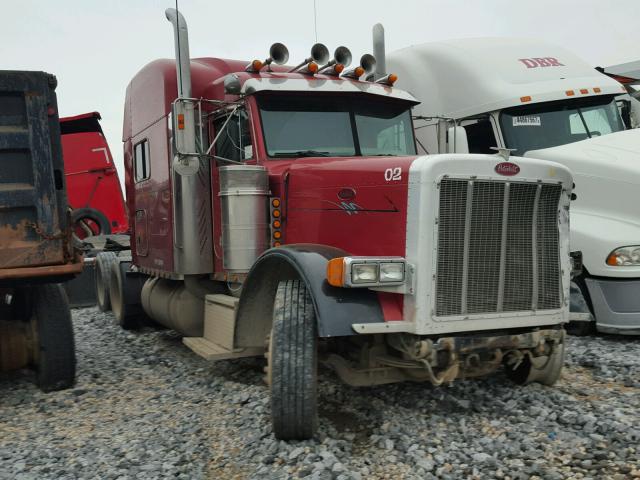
(217, 342)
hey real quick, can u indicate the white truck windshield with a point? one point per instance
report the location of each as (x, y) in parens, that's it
(552, 124)
(335, 126)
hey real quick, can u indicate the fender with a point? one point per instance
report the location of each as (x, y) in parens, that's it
(336, 309)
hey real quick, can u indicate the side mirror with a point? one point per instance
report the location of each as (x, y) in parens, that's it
(457, 140)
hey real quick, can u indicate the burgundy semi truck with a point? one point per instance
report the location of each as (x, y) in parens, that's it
(283, 211)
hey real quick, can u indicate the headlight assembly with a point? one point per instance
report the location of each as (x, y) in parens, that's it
(625, 257)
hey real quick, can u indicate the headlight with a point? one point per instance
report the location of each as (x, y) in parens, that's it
(625, 257)
(364, 272)
(391, 272)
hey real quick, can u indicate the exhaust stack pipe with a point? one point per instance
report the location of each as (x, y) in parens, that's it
(379, 51)
(183, 61)
(192, 245)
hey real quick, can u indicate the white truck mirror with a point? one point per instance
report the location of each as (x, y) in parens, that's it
(457, 140)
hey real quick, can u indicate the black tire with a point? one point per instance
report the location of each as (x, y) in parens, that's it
(124, 294)
(56, 359)
(94, 217)
(104, 264)
(293, 363)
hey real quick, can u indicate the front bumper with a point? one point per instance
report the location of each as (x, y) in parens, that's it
(616, 305)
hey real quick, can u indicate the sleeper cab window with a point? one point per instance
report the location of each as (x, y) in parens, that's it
(141, 162)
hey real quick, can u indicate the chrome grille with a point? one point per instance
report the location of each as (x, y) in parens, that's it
(498, 247)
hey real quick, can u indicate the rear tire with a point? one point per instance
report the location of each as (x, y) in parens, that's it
(105, 262)
(125, 296)
(56, 360)
(293, 363)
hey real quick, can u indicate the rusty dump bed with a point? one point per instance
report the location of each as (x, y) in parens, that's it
(35, 238)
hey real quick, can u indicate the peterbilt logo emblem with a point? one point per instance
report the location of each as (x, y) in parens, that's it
(541, 62)
(507, 168)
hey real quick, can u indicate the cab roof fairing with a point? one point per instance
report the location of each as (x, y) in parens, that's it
(466, 77)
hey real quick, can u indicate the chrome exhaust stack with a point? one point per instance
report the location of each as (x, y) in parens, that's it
(379, 51)
(192, 240)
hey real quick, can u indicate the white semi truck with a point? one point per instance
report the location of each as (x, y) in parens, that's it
(544, 102)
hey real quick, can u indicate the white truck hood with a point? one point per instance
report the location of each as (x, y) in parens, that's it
(606, 213)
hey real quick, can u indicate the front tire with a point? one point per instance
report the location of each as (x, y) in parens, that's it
(293, 363)
(545, 370)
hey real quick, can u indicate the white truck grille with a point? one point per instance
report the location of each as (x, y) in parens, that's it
(498, 247)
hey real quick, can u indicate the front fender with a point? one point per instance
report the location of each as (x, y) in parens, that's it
(336, 309)
(597, 236)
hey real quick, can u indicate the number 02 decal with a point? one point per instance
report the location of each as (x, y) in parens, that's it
(393, 174)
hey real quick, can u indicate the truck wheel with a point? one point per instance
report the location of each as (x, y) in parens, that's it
(88, 222)
(292, 363)
(124, 296)
(545, 370)
(55, 358)
(104, 263)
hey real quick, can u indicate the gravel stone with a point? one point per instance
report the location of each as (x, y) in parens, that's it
(146, 407)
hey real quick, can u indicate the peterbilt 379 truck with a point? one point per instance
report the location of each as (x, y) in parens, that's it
(284, 211)
(542, 101)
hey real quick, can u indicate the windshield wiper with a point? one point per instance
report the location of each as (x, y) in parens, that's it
(300, 153)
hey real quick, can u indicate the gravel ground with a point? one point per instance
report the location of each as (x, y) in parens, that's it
(146, 407)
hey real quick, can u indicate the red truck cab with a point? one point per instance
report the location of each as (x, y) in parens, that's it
(94, 190)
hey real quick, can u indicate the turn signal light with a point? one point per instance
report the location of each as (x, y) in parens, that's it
(335, 272)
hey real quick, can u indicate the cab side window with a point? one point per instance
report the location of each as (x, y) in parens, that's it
(234, 138)
(141, 161)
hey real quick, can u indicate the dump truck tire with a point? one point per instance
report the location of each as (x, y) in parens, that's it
(56, 359)
(94, 216)
(545, 370)
(104, 263)
(293, 363)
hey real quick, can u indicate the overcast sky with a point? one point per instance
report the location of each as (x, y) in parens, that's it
(95, 47)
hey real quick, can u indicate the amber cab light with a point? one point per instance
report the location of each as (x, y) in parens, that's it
(526, 98)
(275, 202)
(276, 213)
(277, 224)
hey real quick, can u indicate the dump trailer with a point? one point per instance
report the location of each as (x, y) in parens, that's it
(541, 101)
(93, 184)
(98, 213)
(36, 249)
(283, 211)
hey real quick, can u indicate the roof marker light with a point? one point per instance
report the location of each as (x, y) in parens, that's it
(254, 66)
(570, 93)
(388, 79)
(526, 98)
(584, 91)
(596, 90)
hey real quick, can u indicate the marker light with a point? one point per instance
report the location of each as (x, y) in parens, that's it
(359, 71)
(312, 67)
(596, 90)
(275, 202)
(276, 224)
(625, 257)
(526, 98)
(388, 79)
(570, 93)
(335, 272)
(338, 68)
(254, 66)
(181, 121)
(277, 235)
(584, 91)
(275, 213)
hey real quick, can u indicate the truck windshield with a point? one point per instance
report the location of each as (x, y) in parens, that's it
(336, 126)
(557, 123)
